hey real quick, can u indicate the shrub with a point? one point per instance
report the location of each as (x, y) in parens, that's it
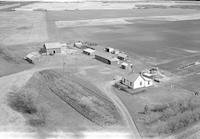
(174, 116)
(159, 108)
(21, 102)
(39, 118)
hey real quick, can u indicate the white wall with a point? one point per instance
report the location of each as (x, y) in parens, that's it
(137, 83)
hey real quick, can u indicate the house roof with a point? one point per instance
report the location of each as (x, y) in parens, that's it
(106, 55)
(32, 55)
(132, 77)
(124, 64)
(89, 50)
(53, 45)
(122, 55)
(78, 44)
(146, 78)
(110, 48)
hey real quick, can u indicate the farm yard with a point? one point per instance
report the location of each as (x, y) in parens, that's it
(67, 91)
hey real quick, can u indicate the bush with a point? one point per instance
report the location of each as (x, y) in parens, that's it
(39, 118)
(21, 102)
(159, 108)
(174, 116)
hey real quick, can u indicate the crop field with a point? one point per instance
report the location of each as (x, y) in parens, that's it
(156, 41)
(22, 27)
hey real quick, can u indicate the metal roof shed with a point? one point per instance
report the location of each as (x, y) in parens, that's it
(88, 51)
(122, 56)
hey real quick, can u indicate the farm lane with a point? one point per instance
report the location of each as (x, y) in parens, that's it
(123, 110)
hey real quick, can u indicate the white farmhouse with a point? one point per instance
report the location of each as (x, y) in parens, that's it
(135, 81)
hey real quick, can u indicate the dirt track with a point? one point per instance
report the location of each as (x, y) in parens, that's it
(125, 114)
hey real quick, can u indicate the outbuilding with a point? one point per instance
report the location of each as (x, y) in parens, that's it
(116, 51)
(106, 58)
(52, 48)
(136, 81)
(124, 65)
(122, 56)
(89, 51)
(109, 49)
(78, 44)
(31, 57)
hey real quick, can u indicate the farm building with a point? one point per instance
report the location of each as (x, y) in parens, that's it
(109, 49)
(135, 81)
(88, 51)
(106, 58)
(154, 70)
(78, 44)
(52, 48)
(147, 75)
(124, 65)
(116, 51)
(122, 56)
(31, 57)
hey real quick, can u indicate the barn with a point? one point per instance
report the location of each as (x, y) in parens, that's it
(106, 58)
(136, 81)
(52, 48)
(124, 65)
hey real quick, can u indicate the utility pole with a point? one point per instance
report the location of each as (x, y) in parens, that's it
(63, 65)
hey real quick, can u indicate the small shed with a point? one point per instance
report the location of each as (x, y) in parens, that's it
(31, 57)
(116, 51)
(106, 58)
(78, 44)
(122, 56)
(88, 51)
(52, 48)
(135, 81)
(124, 65)
(109, 49)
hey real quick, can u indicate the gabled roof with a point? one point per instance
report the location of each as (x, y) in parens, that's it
(109, 48)
(106, 55)
(53, 45)
(146, 78)
(124, 64)
(89, 50)
(32, 55)
(131, 77)
(122, 55)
